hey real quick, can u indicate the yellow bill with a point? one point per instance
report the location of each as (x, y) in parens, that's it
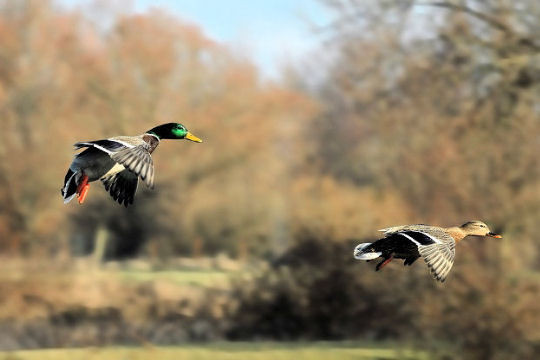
(192, 137)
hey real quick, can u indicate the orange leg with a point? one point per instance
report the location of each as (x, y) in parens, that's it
(82, 189)
(383, 264)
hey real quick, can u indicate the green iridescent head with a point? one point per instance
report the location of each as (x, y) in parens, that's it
(173, 131)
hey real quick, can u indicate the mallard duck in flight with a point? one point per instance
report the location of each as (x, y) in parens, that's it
(409, 242)
(118, 162)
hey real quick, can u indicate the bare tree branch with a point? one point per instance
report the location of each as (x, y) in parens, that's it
(490, 20)
(493, 22)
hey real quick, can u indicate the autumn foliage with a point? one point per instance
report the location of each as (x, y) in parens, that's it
(428, 113)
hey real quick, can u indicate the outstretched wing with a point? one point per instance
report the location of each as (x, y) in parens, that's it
(434, 245)
(133, 154)
(122, 186)
(395, 229)
(138, 160)
(439, 258)
(108, 146)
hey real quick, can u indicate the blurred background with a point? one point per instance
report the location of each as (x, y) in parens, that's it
(322, 122)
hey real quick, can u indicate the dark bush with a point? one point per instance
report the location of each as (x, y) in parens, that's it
(317, 291)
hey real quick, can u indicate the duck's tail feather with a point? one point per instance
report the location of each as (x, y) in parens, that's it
(362, 252)
(69, 190)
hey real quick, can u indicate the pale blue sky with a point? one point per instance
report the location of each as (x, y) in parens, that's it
(273, 33)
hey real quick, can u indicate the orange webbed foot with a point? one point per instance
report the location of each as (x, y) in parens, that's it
(82, 189)
(383, 263)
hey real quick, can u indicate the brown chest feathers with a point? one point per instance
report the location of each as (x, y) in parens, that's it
(152, 142)
(456, 233)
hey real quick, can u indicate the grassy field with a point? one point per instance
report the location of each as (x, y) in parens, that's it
(225, 351)
(202, 278)
(93, 286)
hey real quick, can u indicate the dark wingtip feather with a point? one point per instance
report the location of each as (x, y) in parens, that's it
(121, 187)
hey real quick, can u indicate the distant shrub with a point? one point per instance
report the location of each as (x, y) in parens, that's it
(316, 291)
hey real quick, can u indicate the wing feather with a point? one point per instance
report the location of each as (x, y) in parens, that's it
(138, 160)
(435, 245)
(439, 258)
(107, 145)
(122, 186)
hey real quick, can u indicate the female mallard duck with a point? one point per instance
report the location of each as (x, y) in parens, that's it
(435, 244)
(118, 162)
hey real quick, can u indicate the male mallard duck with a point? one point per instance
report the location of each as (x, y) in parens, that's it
(435, 244)
(118, 162)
